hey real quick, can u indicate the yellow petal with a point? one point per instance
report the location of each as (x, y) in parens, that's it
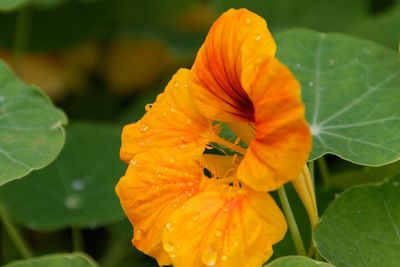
(305, 189)
(172, 121)
(225, 226)
(156, 183)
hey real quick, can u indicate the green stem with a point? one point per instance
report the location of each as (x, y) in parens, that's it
(77, 239)
(115, 253)
(294, 230)
(22, 29)
(15, 235)
(311, 167)
(324, 171)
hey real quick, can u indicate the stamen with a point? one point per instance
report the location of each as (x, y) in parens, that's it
(228, 144)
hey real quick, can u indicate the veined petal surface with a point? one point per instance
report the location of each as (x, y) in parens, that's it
(224, 226)
(156, 183)
(172, 121)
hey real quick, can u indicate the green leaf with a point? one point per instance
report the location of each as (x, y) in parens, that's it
(351, 90)
(362, 227)
(320, 15)
(383, 28)
(56, 260)
(296, 261)
(10, 5)
(31, 133)
(77, 190)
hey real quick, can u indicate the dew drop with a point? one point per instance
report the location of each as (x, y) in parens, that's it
(190, 184)
(172, 109)
(258, 37)
(148, 107)
(188, 121)
(177, 84)
(218, 233)
(247, 21)
(196, 216)
(168, 247)
(185, 85)
(172, 255)
(133, 162)
(169, 226)
(77, 185)
(209, 257)
(72, 202)
(138, 234)
(311, 83)
(144, 127)
(224, 258)
(172, 160)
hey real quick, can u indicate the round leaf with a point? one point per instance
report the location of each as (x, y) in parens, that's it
(56, 260)
(31, 133)
(362, 227)
(351, 89)
(296, 261)
(77, 190)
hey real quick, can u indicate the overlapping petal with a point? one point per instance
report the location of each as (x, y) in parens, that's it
(239, 80)
(172, 121)
(156, 183)
(229, 226)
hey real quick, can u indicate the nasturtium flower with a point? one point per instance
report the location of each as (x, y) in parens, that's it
(195, 198)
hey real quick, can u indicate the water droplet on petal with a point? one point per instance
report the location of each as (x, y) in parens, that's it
(247, 21)
(258, 37)
(148, 107)
(172, 160)
(224, 258)
(133, 162)
(209, 256)
(188, 121)
(144, 127)
(190, 184)
(172, 109)
(138, 234)
(168, 247)
(218, 233)
(172, 255)
(185, 85)
(177, 84)
(196, 216)
(169, 226)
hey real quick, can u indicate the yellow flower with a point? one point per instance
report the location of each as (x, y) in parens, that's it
(193, 208)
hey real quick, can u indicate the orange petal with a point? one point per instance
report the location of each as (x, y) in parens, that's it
(155, 184)
(173, 121)
(282, 139)
(238, 42)
(225, 226)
